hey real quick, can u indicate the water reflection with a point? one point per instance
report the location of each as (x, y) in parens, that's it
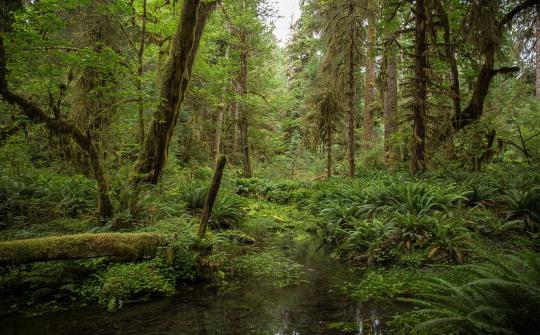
(306, 309)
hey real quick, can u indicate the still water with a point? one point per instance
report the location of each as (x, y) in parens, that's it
(309, 308)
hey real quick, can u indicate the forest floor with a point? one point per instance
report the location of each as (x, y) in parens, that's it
(282, 283)
(302, 257)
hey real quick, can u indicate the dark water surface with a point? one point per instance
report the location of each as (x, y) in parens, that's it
(254, 308)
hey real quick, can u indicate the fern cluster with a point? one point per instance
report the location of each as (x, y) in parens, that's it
(374, 220)
(502, 298)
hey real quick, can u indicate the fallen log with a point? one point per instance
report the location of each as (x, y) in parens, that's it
(120, 246)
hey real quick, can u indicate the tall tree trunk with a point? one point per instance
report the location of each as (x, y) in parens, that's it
(246, 164)
(369, 86)
(105, 208)
(329, 154)
(176, 75)
(244, 121)
(450, 55)
(140, 72)
(390, 104)
(419, 134)
(219, 130)
(350, 102)
(236, 129)
(221, 116)
(538, 50)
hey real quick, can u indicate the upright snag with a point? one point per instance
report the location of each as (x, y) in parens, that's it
(212, 195)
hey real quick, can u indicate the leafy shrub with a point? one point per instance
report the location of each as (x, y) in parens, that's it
(336, 221)
(502, 298)
(269, 266)
(122, 283)
(181, 257)
(385, 284)
(281, 192)
(373, 219)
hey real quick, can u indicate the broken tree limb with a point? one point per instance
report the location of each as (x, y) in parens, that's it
(121, 246)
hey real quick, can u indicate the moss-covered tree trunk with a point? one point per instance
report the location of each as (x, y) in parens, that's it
(390, 104)
(121, 246)
(175, 78)
(212, 195)
(140, 73)
(351, 87)
(450, 55)
(419, 131)
(329, 154)
(219, 131)
(244, 120)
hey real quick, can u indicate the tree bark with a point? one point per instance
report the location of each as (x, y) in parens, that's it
(390, 104)
(140, 73)
(212, 195)
(369, 86)
(219, 130)
(350, 100)
(475, 108)
(244, 121)
(246, 164)
(176, 76)
(538, 50)
(419, 134)
(221, 116)
(105, 207)
(329, 154)
(450, 55)
(121, 246)
(236, 130)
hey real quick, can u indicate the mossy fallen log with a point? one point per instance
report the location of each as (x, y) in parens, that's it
(121, 246)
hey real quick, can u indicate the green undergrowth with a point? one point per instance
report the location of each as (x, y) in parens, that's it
(404, 231)
(409, 232)
(45, 286)
(497, 297)
(388, 284)
(265, 261)
(274, 221)
(268, 267)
